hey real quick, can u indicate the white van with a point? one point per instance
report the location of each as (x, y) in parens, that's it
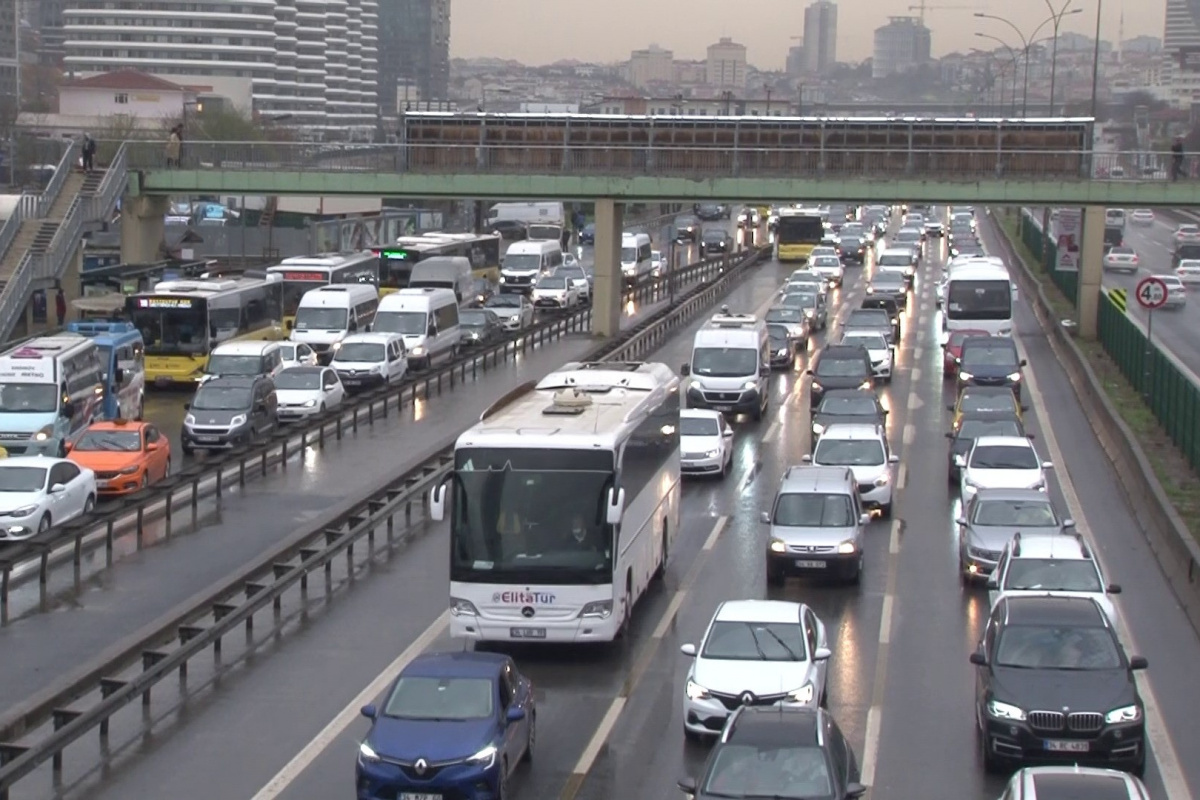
(636, 257)
(368, 360)
(51, 389)
(525, 262)
(328, 314)
(426, 318)
(234, 359)
(730, 366)
(444, 272)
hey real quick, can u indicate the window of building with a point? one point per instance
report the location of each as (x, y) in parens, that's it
(120, 98)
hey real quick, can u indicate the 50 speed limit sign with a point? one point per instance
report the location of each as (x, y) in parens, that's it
(1151, 293)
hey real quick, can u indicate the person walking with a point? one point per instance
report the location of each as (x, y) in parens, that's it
(174, 144)
(60, 306)
(1177, 159)
(89, 153)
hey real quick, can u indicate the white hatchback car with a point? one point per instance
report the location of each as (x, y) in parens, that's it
(1142, 217)
(864, 449)
(1188, 272)
(37, 492)
(1001, 462)
(877, 348)
(705, 442)
(304, 391)
(754, 653)
(555, 292)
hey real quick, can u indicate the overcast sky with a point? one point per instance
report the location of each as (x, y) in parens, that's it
(544, 31)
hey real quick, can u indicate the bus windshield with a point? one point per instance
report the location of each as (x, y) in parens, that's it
(800, 230)
(987, 299)
(34, 398)
(503, 529)
(179, 329)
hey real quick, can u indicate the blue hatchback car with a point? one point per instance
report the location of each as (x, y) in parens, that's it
(453, 726)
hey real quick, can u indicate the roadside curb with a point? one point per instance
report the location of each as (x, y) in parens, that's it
(1177, 552)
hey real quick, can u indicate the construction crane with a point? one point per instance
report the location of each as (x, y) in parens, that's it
(923, 7)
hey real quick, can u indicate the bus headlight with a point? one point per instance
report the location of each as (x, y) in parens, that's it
(462, 608)
(598, 609)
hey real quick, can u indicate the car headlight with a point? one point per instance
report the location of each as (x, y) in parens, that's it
(781, 352)
(462, 608)
(882, 480)
(484, 758)
(23, 511)
(1014, 376)
(810, 313)
(366, 753)
(712, 454)
(966, 376)
(44, 434)
(239, 419)
(189, 420)
(695, 691)
(417, 351)
(847, 547)
(311, 404)
(1040, 485)
(818, 428)
(502, 280)
(1123, 714)
(802, 695)
(778, 546)
(1005, 711)
(335, 346)
(130, 470)
(597, 609)
(749, 386)
(515, 318)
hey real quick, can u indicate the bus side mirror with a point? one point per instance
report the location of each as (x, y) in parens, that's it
(615, 507)
(437, 503)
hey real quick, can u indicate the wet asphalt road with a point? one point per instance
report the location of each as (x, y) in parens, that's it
(900, 684)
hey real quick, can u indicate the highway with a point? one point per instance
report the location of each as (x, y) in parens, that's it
(283, 723)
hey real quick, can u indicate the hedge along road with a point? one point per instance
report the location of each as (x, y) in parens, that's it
(91, 614)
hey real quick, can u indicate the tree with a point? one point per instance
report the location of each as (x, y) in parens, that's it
(221, 124)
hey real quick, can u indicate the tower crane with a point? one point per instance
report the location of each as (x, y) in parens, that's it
(923, 7)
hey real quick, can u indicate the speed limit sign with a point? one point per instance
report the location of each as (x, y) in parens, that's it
(1151, 293)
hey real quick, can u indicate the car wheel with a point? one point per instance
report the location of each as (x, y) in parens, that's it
(528, 757)
(89, 505)
(45, 524)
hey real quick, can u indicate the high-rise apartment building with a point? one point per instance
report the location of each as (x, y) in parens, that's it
(45, 18)
(1181, 53)
(309, 63)
(726, 64)
(901, 45)
(820, 36)
(10, 25)
(415, 49)
(650, 66)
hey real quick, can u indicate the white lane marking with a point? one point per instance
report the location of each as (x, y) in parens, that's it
(1161, 744)
(715, 534)
(745, 481)
(916, 374)
(918, 351)
(305, 758)
(915, 402)
(885, 620)
(902, 478)
(871, 750)
(672, 609)
(894, 538)
(910, 434)
(588, 757)
(772, 429)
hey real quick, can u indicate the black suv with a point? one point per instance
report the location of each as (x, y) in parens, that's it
(840, 366)
(715, 240)
(990, 361)
(779, 752)
(687, 228)
(1054, 685)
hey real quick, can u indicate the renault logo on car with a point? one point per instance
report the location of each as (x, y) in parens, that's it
(421, 766)
(747, 698)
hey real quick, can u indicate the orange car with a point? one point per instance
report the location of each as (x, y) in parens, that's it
(126, 455)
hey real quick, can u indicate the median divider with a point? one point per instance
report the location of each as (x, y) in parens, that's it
(1173, 545)
(41, 728)
(181, 493)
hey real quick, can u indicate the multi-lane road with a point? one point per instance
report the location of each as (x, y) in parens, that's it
(283, 723)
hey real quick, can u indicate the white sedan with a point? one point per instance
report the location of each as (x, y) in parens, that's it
(297, 354)
(1187, 232)
(1142, 217)
(1188, 272)
(755, 652)
(514, 310)
(877, 348)
(1001, 462)
(705, 442)
(1121, 259)
(37, 492)
(304, 391)
(658, 263)
(828, 267)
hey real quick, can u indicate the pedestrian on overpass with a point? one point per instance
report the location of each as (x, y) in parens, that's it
(1177, 159)
(174, 143)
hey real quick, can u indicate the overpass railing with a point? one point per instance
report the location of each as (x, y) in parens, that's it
(35, 206)
(902, 161)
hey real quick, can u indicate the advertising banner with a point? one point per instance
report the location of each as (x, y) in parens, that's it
(1068, 234)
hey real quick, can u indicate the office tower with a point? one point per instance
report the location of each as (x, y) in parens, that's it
(726, 65)
(820, 36)
(414, 37)
(901, 45)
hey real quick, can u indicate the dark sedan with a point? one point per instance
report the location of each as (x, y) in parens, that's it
(509, 229)
(856, 406)
(715, 240)
(480, 327)
(588, 234)
(990, 361)
(687, 228)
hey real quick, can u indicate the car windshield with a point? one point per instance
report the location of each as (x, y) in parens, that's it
(22, 479)
(503, 301)
(849, 452)
(755, 641)
(809, 510)
(407, 323)
(725, 362)
(989, 357)
(874, 341)
(869, 318)
(781, 773)
(841, 368)
(522, 262)
(1052, 575)
(1004, 456)
(699, 426)
(321, 319)
(367, 352)
(472, 319)
(221, 398)
(826, 261)
(958, 337)
(988, 403)
(441, 699)
(780, 314)
(1015, 514)
(907, 235)
(298, 379)
(799, 300)
(1049, 647)
(219, 364)
(849, 405)
(16, 398)
(552, 282)
(975, 428)
(110, 441)
(894, 260)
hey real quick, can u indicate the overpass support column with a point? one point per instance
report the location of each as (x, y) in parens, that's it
(606, 305)
(1091, 270)
(143, 228)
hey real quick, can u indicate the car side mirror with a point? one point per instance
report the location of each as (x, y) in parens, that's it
(1113, 588)
(765, 518)
(1030, 436)
(685, 369)
(764, 371)
(806, 459)
(1068, 523)
(1024, 363)
(961, 521)
(855, 790)
(437, 503)
(808, 372)
(152, 447)
(688, 650)
(369, 711)
(615, 506)
(687, 786)
(978, 659)
(960, 461)
(514, 714)
(822, 654)
(1138, 662)
(893, 459)
(432, 331)
(864, 519)
(58, 488)
(1047, 465)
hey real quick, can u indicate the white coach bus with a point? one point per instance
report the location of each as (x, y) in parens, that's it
(563, 504)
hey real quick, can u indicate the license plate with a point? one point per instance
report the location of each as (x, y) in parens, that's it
(101, 484)
(803, 564)
(351, 381)
(527, 633)
(723, 408)
(208, 439)
(1067, 746)
(411, 796)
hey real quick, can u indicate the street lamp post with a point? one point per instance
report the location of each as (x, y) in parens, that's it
(1027, 42)
(1057, 16)
(768, 111)
(1096, 58)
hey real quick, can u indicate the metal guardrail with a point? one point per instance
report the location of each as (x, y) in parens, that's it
(66, 165)
(185, 488)
(35, 206)
(167, 645)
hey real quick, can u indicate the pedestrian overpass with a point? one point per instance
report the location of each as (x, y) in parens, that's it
(618, 159)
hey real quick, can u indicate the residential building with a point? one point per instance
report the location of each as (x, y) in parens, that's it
(1181, 51)
(901, 45)
(820, 36)
(795, 61)
(46, 19)
(416, 51)
(726, 64)
(115, 103)
(10, 25)
(650, 66)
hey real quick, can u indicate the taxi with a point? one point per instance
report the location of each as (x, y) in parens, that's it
(983, 401)
(126, 455)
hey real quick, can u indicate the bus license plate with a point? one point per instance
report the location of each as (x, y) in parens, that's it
(1061, 746)
(411, 796)
(527, 633)
(802, 564)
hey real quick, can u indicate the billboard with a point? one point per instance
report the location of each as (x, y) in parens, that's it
(1068, 229)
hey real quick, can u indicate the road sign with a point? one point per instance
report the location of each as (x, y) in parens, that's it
(1118, 298)
(1151, 293)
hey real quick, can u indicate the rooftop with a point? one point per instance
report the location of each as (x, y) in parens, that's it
(125, 80)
